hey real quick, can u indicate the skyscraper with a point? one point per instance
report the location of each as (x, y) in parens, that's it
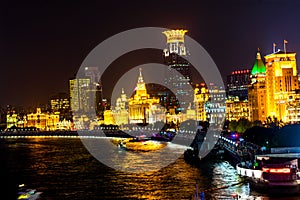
(78, 94)
(175, 55)
(86, 92)
(237, 84)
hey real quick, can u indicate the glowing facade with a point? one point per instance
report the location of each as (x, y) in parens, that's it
(11, 120)
(42, 121)
(216, 107)
(78, 94)
(201, 97)
(121, 109)
(274, 87)
(281, 83)
(293, 108)
(237, 83)
(237, 109)
(257, 91)
(178, 76)
(141, 105)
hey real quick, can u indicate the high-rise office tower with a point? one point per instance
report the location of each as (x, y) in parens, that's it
(237, 84)
(175, 55)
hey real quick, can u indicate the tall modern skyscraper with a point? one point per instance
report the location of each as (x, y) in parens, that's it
(175, 55)
(78, 94)
(86, 92)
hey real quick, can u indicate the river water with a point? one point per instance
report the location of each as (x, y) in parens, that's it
(61, 168)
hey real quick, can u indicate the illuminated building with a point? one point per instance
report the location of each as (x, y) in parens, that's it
(86, 92)
(201, 97)
(215, 108)
(122, 101)
(141, 105)
(236, 109)
(64, 125)
(281, 83)
(95, 90)
(109, 117)
(11, 119)
(174, 56)
(121, 110)
(237, 83)
(78, 94)
(257, 91)
(293, 108)
(60, 102)
(42, 121)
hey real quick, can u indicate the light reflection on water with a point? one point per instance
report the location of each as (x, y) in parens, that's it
(63, 169)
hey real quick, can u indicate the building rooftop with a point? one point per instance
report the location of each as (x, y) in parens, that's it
(259, 66)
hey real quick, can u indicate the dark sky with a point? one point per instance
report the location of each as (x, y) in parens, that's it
(43, 43)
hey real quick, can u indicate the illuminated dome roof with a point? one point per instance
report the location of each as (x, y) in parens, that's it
(259, 66)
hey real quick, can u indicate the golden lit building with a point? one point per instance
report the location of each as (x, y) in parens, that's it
(11, 120)
(141, 103)
(201, 96)
(257, 91)
(293, 108)
(42, 121)
(109, 117)
(281, 83)
(236, 109)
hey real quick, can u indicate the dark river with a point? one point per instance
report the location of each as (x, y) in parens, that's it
(62, 168)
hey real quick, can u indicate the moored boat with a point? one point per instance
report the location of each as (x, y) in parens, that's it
(272, 173)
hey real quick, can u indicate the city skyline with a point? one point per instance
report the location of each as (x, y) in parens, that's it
(41, 50)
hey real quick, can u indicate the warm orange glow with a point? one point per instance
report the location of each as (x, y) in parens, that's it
(265, 169)
(175, 35)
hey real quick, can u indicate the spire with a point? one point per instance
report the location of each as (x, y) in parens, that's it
(259, 66)
(140, 79)
(258, 56)
(141, 85)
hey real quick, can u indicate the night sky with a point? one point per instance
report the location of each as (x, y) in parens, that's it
(43, 43)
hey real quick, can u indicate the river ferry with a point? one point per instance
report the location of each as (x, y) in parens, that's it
(272, 173)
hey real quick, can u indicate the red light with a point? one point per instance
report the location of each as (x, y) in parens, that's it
(280, 170)
(265, 169)
(277, 170)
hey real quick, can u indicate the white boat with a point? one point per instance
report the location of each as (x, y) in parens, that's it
(27, 193)
(272, 173)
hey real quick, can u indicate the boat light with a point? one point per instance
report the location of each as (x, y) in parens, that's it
(277, 170)
(280, 170)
